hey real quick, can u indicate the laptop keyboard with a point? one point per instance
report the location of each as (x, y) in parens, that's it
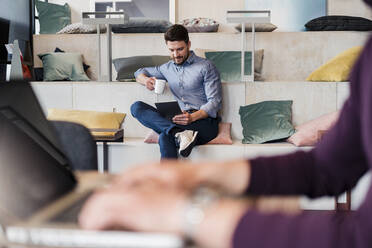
(70, 214)
(76, 238)
(55, 237)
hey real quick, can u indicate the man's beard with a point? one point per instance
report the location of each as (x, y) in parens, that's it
(183, 58)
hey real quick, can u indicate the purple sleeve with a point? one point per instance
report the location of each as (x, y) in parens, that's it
(338, 160)
(307, 230)
(336, 164)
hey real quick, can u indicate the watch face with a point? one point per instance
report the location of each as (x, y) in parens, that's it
(200, 199)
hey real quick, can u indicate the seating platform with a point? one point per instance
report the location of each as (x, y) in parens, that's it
(133, 151)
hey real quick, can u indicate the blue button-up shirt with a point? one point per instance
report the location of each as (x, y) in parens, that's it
(195, 84)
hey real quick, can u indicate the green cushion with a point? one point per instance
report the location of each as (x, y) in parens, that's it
(266, 121)
(53, 17)
(63, 66)
(228, 63)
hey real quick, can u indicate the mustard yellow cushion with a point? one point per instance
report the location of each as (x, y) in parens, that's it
(338, 68)
(90, 119)
(103, 134)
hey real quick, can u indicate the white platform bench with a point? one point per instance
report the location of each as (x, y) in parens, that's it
(310, 100)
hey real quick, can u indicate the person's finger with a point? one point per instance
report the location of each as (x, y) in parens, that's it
(92, 208)
(137, 174)
(183, 120)
(181, 117)
(178, 116)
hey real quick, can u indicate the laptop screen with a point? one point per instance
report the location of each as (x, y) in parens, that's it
(33, 170)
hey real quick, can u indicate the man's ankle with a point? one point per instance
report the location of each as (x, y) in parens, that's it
(175, 130)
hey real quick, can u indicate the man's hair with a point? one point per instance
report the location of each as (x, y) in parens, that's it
(177, 32)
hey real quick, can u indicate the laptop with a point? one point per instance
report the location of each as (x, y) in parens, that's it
(40, 196)
(168, 109)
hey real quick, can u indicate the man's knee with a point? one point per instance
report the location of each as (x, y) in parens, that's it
(136, 107)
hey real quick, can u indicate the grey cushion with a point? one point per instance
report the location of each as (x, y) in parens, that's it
(259, 27)
(126, 67)
(142, 25)
(228, 64)
(53, 17)
(77, 144)
(63, 66)
(85, 66)
(266, 121)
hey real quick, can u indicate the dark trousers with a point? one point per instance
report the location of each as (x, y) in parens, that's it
(149, 117)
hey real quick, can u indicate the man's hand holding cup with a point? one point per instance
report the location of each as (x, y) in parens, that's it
(150, 83)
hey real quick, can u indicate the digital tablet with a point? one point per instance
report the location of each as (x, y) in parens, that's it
(168, 109)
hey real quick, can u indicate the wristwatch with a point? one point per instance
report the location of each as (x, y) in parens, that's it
(200, 199)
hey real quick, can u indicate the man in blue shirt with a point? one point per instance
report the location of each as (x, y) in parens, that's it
(196, 85)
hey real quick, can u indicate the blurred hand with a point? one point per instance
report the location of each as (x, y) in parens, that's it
(152, 208)
(150, 83)
(142, 208)
(183, 119)
(231, 177)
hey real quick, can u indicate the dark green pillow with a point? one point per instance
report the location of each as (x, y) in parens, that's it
(126, 67)
(266, 121)
(63, 66)
(228, 63)
(53, 17)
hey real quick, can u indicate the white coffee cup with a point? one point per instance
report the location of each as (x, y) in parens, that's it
(159, 86)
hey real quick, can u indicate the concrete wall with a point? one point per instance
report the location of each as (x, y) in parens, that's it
(349, 7)
(216, 9)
